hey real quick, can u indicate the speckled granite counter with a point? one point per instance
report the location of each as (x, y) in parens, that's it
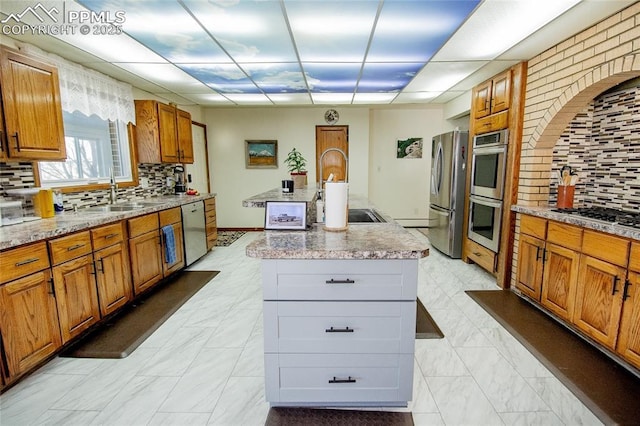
(307, 194)
(598, 225)
(67, 222)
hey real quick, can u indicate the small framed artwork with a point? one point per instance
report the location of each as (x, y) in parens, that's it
(285, 215)
(409, 148)
(261, 154)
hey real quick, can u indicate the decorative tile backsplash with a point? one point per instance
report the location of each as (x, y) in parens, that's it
(20, 175)
(602, 144)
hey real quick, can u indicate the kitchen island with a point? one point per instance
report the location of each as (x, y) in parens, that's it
(339, 314)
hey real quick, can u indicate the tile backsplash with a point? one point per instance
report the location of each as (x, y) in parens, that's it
(20, 175)
(602, 144)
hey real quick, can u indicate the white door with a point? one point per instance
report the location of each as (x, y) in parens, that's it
(197, 174)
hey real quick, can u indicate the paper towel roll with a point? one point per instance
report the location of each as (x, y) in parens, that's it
(336, 196)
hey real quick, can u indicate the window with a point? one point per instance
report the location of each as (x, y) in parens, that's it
(95, 149)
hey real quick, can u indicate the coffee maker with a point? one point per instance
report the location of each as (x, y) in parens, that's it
(180, 187)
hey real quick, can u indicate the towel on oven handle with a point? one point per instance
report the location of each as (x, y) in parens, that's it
(169, 244)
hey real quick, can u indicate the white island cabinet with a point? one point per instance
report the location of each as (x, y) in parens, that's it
(339, 315)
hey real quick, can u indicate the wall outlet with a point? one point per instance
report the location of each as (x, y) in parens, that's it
(144, 182)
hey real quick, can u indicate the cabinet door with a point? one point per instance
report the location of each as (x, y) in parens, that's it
(170, 268)
(32, 108)
(146, 261)
(168, 133)
(482, 99)
(76, 296)
(530, 266)
(598, 303)
(3, 138)
(185, 136)
(30, 331)
(113, 277)
(560, 279)
(501, 92)
(629, 338)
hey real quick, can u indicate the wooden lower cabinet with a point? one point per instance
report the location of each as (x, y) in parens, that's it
(113, 277)
(210, 222)
(560, 279)
(28, 322)
(629, 337)
(598, 305)
(173, 218)
(530, 266)
(146, 260)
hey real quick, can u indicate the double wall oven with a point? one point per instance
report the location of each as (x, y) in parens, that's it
(489, 159)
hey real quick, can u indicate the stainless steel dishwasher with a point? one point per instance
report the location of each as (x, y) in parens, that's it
(193, 228)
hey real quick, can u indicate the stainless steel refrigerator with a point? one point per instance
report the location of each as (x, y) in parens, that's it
(448, 179)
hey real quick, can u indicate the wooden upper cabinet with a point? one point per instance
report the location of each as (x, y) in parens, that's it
(162, 135)
(3, 139)
(31, 107)
(493, 95)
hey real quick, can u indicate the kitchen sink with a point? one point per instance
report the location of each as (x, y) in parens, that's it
(364, 216)
(113, 208)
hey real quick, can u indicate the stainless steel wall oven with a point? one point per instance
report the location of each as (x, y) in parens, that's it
(484, 221)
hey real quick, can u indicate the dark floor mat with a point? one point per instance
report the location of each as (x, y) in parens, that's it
(610, 391)
(294, 416)
(426, 327)
(123, 333)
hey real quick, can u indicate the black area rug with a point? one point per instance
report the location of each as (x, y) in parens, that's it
(426, 327)
(610, 391)
(226, 238)
(123, 333)
(294, 416)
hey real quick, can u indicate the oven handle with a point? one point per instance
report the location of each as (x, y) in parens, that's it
(485, 201)
(490, 150)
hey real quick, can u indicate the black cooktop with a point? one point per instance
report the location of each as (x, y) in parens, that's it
(620, 217)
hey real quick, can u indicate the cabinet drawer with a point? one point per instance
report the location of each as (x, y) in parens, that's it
(339, 279)
(22, 261)
(339, 327)
(209, 204)
(606, 247)
(143, 224)
(565, 235)
(339, 378)
(210, 216)
(481, 255)
(107, 235)
(634, 258)
(170, 216)
(70, 247)
(534, 226)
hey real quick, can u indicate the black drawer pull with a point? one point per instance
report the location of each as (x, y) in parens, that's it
(75, 247)
(27, 261)
(625, 292)
(348, 380)
(347, 281)
(614, 290)
(339, 330)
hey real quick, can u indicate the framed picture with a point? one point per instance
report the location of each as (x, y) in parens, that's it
(261, 154)
(289, 215)
(409, 148)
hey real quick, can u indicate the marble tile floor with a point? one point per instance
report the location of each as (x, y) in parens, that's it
(204, 365)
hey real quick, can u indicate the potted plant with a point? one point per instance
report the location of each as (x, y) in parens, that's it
(296, 165)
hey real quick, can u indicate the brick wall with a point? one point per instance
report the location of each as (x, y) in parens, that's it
(561, 82)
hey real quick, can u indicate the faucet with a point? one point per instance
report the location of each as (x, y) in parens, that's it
(346, 165)
(113, 188)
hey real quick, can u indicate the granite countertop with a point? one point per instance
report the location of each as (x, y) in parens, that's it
(360, 241)
(68, 222)
(597, 225)
(307, 194)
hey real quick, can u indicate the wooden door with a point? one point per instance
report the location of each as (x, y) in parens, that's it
(113, 277)
(29, 322)
(146, 261)
(3, 138)
(198, 171)
(560, 279)
(168, 133)
(32, 108)
(598, 303)
(482, 99)
(76, 296)
(629, 337)
(333, 162)
(530, 266)
(170, 268)
(185, 138)
(501, 92)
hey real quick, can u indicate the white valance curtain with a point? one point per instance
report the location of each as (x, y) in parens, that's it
(88, 91)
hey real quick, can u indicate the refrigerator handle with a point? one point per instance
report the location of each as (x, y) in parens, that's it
(439, 168)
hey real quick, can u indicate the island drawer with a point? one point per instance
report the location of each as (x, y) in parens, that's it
(341, 378)
(339, 279)
(339, 327)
